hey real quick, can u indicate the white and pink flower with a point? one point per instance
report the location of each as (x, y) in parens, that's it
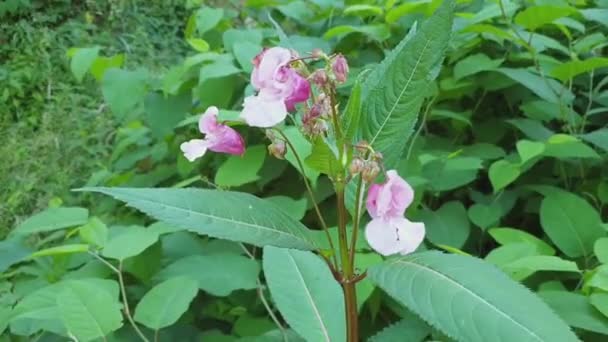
(389, 232)
(218, 138)
(279, 88)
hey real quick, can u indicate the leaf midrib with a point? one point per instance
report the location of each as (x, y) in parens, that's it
(310, 299)
(218, 218)
(476, 296)
(407, 84)
(97, 324)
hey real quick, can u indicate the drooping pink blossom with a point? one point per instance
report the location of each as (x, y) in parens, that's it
(389, 232)
(218, 138)
(279, 88)
(340, 68)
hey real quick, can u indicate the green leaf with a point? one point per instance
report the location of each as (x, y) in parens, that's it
(547, 89)
(218, 69)
(576, 310)
(402, 10)
(393, 95)
(566, 71)
(484, 216)
(245, 52)
(217, 274)
(474, 64)
(231, 37)
(599, 300)
(507, 236)
(95, 232)
(101, 64)
(222, 214)
(599, 15)
(82, 60)
(563, 146)
(208, 18)
(323, 159)
(59, 250)
(600, 248)
(52, 219)
(163, 305)
(535, 263)
(129, 243)
(317, 314)
(571, 223)
(124, 90)
(529, 150)
(88, 311)
(410, 330)
(598, 138)
(163, 113)
(363, 10)
(295, 208)
(468, 299)
(352, 113)
(378, 32)
(534, 17)
(303, 148)
(198, 44)
(13, 250)
(502, 173)
(449, 225)
(240, 170)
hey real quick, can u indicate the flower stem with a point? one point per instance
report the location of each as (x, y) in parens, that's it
(350, 295)
(311, 195)
(356, 219)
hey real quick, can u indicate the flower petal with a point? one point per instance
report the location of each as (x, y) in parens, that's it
(208, 121)
(397, 235)
(194, 149)
(300, 90)
(226, 140)
(269, 62)
(411, 233)
(391, 198)
(263, 111)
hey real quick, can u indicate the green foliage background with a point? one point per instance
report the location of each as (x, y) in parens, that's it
(508, 160)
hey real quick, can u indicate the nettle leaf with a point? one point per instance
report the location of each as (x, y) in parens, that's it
(317, 313)
(88, 311)
(240, 170)
(129, 243)
(566, 71)
(534, 17)
(571, 223)
(217, 274)
(394, 92)
(352, 112)
(468, 299)
(163, 305)
(222, 214)
(52, 219)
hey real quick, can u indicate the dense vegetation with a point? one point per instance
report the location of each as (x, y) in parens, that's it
(505, 143)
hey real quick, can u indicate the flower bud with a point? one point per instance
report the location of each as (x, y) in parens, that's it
(370, 171)
(319, 77)
(277, 149)
(340, 68)
(317, 53)
(377, 156)
(356, 166)
(362, 146)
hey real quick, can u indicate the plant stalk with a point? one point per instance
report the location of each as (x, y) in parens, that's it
(348, 285)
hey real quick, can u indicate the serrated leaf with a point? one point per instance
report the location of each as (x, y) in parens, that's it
(468, 299)
(392, 100)
(222, 214)
(571, 223)
(163, 305)
(218, 274)
(352, 112)
(317, 314)
(52, 219)
(87, 311)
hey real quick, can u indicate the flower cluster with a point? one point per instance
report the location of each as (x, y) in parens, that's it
(281, 81)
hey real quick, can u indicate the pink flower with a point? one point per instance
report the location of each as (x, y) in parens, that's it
(389, 232)
(340, 68)
(279, 88)
(218, 138)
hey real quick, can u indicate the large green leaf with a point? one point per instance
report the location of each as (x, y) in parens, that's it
(166, 302)
(164, 112)
(217, 274)
(536, 16)
(82, 60)
(575, 309)
(568, 70)
(129, 243)
(240, 170)
(392, 94)
(410, 330)
(124, 90)
(222, 214)
(52, 219)
(448, 225)
(571, 223)
(306, 293)
(88, 311)
(468, 299)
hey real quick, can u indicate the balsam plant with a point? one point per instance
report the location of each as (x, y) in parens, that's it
(363, 146)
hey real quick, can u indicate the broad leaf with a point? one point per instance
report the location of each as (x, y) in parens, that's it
(124, 90)
(240, 170)
(352, 112)
(317, 312)
(393, 94)
(468, 299)
(410, 330)
(569, 70)
(95, 232)
(82, 60)
(52, 219)
(166, 302)
(571, 223)
(163, 113)
(217, 274)
(222, 214)
(130, 243)
(536, 16)
(576, 310)
(600, 248)
(323, 158)
(207, 18)
(507, 236)
(503, 173)
(449, 225)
